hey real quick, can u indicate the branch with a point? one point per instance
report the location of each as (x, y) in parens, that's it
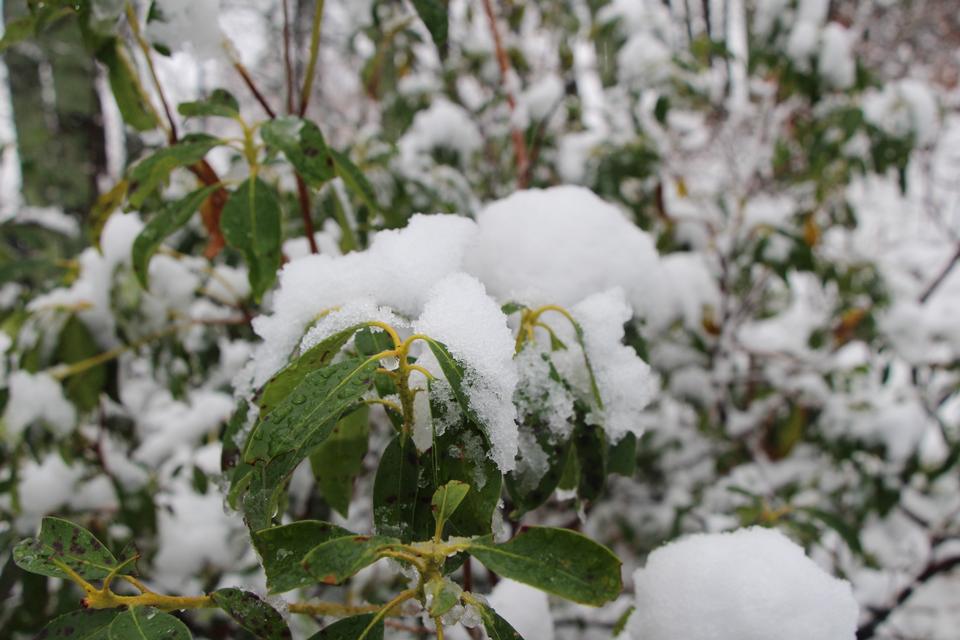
(519, 144)
(242, 70)
(314, 53)
(145, 48)
(304, 198)
(934, 568)
(287, 60)
(941, 277)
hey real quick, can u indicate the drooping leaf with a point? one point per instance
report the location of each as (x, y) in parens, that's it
(447, 498)
(442, 595)
(301, 141)
(354, 179)
(283, 548)
(148, 174)
(220, 103)
(622, 456)
(453, 372)
(76, 343)
(17, 30)
(252, 613)
(124, 85)
(590, 444)
(252, 223)
(397, 492)
(169, 219)
(339, 459)
(305, 418)
(497, 628)
(558, 561)
(336, 560)
(230, 451)
(529, 493)
(350, 629)
(83, 624)
(286, 380)
(60, 542)
(434, 16)
(147, 624)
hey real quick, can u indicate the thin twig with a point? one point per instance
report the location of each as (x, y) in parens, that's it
(314, 53)
(934, 568)
(287, 59)
(242, 70)
(145, 48)
(940, 277)
(519, 144)
(304, 197)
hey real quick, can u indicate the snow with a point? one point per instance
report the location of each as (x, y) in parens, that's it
(557, 246)
(191, 25)
(44, 488)
(644, 60)
(36, 399)
(181, 425)
(459, 313)
(626, 382)
(443, 125)
(903, 108)
(396, 271)
(751, 584)
(542, 96)
(525, 608)
(836, 63)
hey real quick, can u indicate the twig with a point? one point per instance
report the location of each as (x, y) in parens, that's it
(934, 568)
(519, 144)
(287, 60)
(304, 197)
(145, 48)
(947, 268)
(242, 70)
(314, 52)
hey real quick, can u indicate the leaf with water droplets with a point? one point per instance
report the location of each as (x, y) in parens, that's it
(252, 613)
(333, 561)
(282, 549)
(141, 623)
(60, 544)
(83, 624)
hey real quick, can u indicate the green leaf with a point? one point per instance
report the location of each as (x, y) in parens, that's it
(558, 561)
(60, 542)
(497, 628)
(283, 548)
(590, 443)
(846, 531)
(447, 498)
(252, 223)
(594, 389)
(351, 629)
(442, 595)
(434, 16)
(354, 179)
(133, 105)
(453, 372)
(220, 103)
(406, 481)
(148, 174)
(286, 380)
(339, 459)
(622, 457)
(252, 613)
(84, 624)
(76, 343)
(301, 141)
(147, 624)
(17, 30)
(336, 560)
(305, 418)
(526, 495)
(169, 219)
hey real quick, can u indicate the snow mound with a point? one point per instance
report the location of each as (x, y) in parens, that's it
(751, 584)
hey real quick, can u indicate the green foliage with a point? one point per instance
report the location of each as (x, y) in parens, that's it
(339, 459)
(148, 175)
(62, 548)
(252, 613)
(434, 16)
(282, 549)
(76, 343)
(219, 103)
(301, 141)
(557, 561)
(351, 628)
(252, 223)
(147, 624)
(335, 560)
(170, 218)
(85, 624)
